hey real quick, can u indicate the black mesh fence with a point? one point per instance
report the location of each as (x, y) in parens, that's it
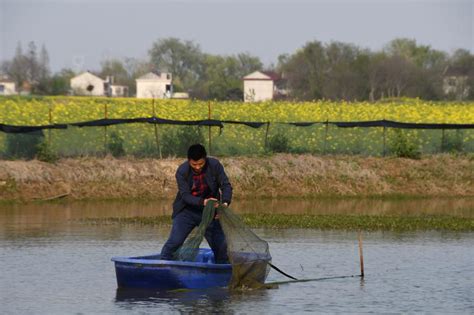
(155, 137)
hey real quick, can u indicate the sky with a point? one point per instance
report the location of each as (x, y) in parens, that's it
(79, 34)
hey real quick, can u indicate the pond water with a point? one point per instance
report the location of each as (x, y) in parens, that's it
(53, 263)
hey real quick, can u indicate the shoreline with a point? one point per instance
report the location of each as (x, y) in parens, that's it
(268, 177)
(368, 223)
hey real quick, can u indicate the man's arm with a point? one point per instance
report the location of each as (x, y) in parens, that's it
(224, 184)
(185, 192)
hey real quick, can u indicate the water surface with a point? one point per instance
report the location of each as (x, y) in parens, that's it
(52, 263)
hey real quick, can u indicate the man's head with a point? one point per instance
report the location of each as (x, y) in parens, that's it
(197, 157)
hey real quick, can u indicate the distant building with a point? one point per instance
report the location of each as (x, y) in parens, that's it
(118, 90)
(154, 85)
(455, 83)
(114, 90)
(87, 83)
(7, 86)
(180, 95)
(263, 86)
(90, 84)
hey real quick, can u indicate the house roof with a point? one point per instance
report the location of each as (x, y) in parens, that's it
(6, 79)
(151, 76)
(456, 71)
(273, 75)
(89, 73)
(263, 75)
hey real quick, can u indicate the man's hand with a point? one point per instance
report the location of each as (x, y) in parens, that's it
(213, 199)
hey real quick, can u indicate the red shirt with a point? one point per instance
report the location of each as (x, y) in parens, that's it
(200, 187)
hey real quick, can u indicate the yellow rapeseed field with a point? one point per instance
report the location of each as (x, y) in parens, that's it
(238, 139)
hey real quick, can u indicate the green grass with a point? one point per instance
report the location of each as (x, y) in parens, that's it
(325, 222)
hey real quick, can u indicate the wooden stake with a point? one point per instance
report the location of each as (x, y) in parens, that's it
(50, 116)
(266, 135)
(209, 127)
(105, 129)
(361, 255)
(384, 141)
(326, 136)
(157, 135)
(442, 140)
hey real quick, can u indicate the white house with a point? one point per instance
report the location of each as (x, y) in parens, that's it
(88, 83)
(117, 90)
(154, 85)
(455, 83)
(7, 86)
(261, 86)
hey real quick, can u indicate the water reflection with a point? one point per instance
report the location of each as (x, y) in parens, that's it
(213, 300)
(43, 219)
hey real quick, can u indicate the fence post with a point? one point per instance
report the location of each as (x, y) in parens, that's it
(384, 141)
(157, 136)
(105, 128)
(50, 119)
(267, 128)
(209, 127)
(325, 136)
(442, 141)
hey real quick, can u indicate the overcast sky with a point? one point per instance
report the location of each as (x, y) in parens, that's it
(80, 33)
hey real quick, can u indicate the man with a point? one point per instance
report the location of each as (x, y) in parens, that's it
(200, 179)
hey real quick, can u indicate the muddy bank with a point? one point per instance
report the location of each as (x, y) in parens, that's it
(275, 176)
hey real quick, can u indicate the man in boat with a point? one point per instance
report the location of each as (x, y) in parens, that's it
(200, 179)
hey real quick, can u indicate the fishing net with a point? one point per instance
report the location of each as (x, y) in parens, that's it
(248, 254)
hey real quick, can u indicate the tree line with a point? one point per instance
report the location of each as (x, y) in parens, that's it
(334, 71)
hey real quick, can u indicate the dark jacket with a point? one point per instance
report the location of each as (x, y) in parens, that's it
(215, 177)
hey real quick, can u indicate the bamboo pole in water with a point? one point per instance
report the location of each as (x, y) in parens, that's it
(361, 255)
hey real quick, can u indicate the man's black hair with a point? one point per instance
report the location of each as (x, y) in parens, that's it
(196, 152)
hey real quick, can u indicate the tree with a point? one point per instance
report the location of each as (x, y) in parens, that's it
(29, 68)
(305, 71)
(424, 65)
(462, 62)
(135, 69)
(183, 59)
(17, 69)
(60, 82)
(115, 68)
(222, 76)
(346, 73)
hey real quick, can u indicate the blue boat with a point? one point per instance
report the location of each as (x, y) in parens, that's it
(150, 272)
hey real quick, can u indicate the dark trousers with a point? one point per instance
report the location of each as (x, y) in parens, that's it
(183, 224)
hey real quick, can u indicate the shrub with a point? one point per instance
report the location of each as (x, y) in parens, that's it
(115, 145)
(177, 143)
(279, 143)
(148, 149)
(23, 145)
(452, 141)
(401, 146)
(45, 154)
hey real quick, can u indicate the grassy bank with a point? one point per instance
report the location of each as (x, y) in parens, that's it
(276, 176)
(326, 222)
